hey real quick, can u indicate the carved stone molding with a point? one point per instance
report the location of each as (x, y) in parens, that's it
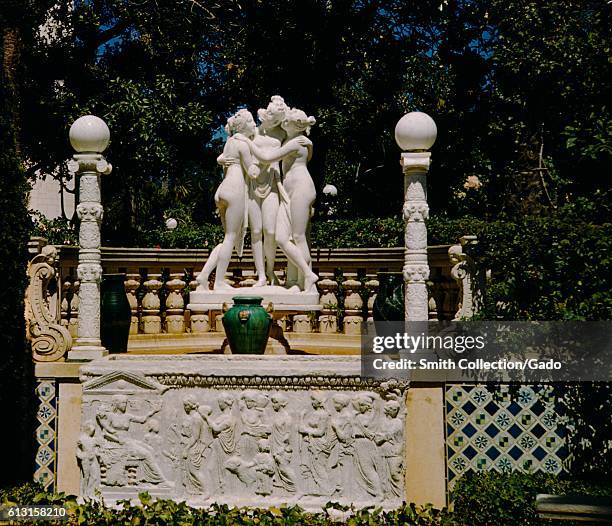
(469, 278)
(50, 340)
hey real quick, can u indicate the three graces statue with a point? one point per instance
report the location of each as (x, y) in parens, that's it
(267, 187)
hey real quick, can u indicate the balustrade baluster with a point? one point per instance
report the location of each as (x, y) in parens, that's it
(73, 322)
(175, 305)
(353, 305)
(328, 319)
(65, 305)
(302, 323)
(371, 285)
(131, 286)
(151, 305)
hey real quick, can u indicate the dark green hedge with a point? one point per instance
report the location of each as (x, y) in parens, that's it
(15, 364)
(494, 499)
(545, 268)
(169, 513)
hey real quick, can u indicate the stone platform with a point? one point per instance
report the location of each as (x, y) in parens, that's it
(242, 430)
(280, 297)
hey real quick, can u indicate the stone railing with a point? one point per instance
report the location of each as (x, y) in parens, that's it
(159, 280)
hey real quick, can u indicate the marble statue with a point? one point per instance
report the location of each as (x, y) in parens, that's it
(276, 206)
(266, 191)
(231, 198)
(296, 206)
(302, 430)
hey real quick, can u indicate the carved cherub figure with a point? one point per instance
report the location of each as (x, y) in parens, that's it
(264, 468)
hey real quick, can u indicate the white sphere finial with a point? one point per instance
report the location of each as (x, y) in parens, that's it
(89, 134)
(415, 131)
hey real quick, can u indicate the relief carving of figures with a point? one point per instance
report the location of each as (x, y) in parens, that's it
(264, 468)
(259, 444)
(391, 442)
(280, 444)
(253, 426)
(87, 451)
(225, 434)
(316, 447)
(125, 460)
(366, 457)
(341, 458)
(191, 444)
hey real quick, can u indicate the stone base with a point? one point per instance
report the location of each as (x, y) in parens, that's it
(200, 301)
(270, 430)
(86, 352)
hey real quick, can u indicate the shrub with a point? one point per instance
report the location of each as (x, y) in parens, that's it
(488, 498)
(170, 513)
(57, 231)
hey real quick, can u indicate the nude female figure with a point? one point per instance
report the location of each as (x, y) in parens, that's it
(294, 213)
(264, 191)
(231, 198)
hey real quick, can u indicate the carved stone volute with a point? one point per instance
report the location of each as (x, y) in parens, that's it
(49, 339)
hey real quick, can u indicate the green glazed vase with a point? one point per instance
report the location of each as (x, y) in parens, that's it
(116, 313)
(247, 325)
(389, 302)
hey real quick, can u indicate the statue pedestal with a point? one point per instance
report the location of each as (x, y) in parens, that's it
(278, 296)
(242, 430)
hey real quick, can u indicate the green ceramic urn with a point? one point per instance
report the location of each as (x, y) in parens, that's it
(116, 313)
(389, 302)
(247, 325)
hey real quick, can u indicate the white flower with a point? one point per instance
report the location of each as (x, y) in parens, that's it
(171, 223)
(330, 189)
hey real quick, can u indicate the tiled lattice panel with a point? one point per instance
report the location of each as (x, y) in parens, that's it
(46, 434)
(502, 428)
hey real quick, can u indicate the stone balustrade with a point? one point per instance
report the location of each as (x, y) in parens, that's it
(158, 282)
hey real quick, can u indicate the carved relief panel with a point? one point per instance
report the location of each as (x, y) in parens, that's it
(243, 440)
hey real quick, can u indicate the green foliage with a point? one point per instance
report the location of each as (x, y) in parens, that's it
(586, 408)
(518, 90)
(170, 513)
(493, 499)
(57, 231)
(547, 269)
(15, 366)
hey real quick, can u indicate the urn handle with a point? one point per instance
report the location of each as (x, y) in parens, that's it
(225, 307)
(270, 308)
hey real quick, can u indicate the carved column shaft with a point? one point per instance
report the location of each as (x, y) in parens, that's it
(416, 211)
(88, 167)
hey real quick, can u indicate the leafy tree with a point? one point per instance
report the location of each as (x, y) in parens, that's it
(518, 89)
(17, 18)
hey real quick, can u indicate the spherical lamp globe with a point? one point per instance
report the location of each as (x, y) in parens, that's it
(89, 134)
(415, 131)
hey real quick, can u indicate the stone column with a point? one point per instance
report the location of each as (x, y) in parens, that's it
(415, 133)
(89, 136)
